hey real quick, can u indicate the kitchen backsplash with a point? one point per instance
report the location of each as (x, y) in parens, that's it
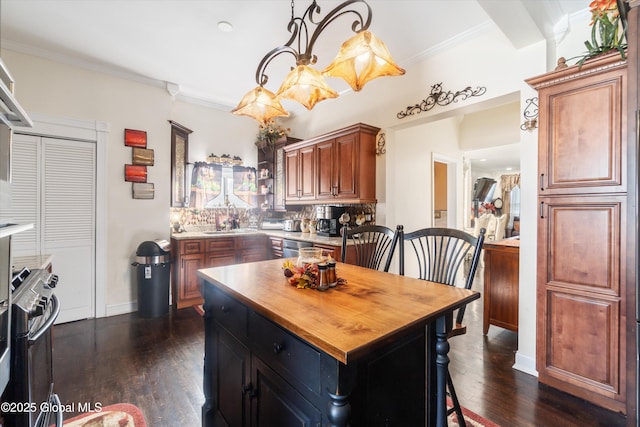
(205, 219)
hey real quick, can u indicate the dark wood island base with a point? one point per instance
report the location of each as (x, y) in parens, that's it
(349, 356)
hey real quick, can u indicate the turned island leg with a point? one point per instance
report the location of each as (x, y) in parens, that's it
(442, 366)
(339, 410)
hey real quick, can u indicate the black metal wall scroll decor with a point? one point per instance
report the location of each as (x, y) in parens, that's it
(441, 98)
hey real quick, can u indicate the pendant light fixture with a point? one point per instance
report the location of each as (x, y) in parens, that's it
(361, 59)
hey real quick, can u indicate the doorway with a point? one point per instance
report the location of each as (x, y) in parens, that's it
(94, 133)
(443, 178)
(54, 186)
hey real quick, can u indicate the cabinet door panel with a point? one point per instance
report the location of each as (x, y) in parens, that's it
(581, 154)
(277, 403)
(582, 235)
(190, 286)
(588, 327)
(307, 173)
(292, 166)
(233, 374)
(580, 338)
(252, 248)
(346, 167)
(326, 161)
(217, 260)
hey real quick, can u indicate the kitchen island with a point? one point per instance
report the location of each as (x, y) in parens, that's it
(353, 355)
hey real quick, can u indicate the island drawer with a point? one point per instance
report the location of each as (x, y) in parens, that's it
(231, 314)
(285, 353)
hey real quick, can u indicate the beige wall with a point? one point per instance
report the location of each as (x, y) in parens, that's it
(63, 91)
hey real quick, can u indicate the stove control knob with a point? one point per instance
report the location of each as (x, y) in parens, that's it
(53, 281)
(37, 311)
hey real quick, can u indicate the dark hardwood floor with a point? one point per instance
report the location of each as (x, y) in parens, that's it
(156, 364)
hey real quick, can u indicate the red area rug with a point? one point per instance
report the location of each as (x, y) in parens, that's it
(118, 415)
(471, 418)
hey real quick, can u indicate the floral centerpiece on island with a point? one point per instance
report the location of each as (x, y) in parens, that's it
(269, 133)
(608, 29)
(305, 276)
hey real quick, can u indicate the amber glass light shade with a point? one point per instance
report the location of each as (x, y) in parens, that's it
(306, 86)
(260, 104)
(361, 59)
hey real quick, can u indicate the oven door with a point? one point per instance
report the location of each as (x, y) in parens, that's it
(54, 416)
(40, 366)
(32, 372)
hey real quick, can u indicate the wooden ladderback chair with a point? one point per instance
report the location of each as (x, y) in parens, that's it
(441, 254)
(373, 245)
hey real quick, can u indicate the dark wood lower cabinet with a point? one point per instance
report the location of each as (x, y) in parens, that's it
(258, 374)
(252, 394)
(581, 338)
(501, 284)
(190, 255)
(276, 403)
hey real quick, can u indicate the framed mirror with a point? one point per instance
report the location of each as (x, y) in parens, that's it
(179, 157)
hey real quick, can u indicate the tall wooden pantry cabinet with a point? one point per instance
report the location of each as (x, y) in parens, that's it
(582, 230)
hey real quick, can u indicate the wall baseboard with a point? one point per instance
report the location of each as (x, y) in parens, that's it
(525, 364)
(124, 308)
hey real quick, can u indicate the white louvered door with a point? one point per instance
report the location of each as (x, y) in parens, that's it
(60, 180)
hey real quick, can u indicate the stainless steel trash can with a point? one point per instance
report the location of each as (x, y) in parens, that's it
(153, 264)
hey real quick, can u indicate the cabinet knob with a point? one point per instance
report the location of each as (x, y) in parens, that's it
(541, 183)
(277, 348)
(248, 389)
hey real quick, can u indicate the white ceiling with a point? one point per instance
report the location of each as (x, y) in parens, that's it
(178, 41)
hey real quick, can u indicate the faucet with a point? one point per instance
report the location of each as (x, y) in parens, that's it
(229, 205)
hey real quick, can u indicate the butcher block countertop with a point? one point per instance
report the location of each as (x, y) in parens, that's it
(348, 321)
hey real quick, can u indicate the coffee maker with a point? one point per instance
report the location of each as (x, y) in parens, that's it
(328, 220)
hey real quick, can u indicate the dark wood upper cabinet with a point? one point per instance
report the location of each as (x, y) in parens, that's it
(340, 167)
(300, 169)
(581, 137)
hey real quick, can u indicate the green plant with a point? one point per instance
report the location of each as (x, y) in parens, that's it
(608, 31)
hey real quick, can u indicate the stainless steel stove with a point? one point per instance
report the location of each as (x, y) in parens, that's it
(34, 310)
